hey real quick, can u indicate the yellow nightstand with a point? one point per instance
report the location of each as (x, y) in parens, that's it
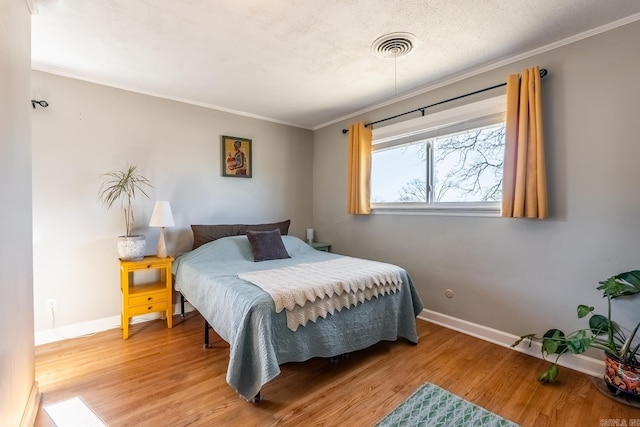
(149, 297)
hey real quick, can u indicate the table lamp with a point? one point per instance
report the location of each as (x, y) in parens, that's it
(161, 217)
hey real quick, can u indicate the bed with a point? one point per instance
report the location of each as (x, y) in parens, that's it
(245, 314)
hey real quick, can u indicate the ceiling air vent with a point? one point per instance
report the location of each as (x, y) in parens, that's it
(393, 45)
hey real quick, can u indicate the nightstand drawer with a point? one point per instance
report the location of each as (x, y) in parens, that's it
(148, 299)
(148, 264)
(148, 308)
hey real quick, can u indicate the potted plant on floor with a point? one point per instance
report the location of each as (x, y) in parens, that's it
(124, 186)
(620, 345)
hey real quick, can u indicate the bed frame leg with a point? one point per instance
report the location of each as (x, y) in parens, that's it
(256, 399)
(182, 306)
(206, 334)
(336, 359)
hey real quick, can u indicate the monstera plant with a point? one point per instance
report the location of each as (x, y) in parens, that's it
(620, 344)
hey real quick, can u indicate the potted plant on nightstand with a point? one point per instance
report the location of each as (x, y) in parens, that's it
(125, 186)
(620, 345)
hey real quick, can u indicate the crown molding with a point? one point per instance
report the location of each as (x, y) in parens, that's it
(489, 67)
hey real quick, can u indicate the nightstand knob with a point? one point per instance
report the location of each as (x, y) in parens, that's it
(149, 308)
(149, 298)
(148, 265)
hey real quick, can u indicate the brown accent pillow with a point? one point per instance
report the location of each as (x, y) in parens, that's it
(207, 233)
(283, 226)
(267, 245)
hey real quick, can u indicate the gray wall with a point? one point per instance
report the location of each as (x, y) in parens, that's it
(16, 283)
(89, 129)
(519, 276)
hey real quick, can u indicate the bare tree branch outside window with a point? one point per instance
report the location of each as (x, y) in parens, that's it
(467, 168)
(414, 191)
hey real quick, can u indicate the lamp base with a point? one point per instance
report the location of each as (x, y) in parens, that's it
(161, 252)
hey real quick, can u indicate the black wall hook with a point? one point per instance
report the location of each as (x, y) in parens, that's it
(42, 103)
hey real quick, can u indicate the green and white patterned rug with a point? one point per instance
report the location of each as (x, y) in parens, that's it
(433, 406)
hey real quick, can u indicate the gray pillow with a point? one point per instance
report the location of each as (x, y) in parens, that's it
(267, 245)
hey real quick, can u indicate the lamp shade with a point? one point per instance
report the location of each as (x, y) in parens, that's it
(161, 216)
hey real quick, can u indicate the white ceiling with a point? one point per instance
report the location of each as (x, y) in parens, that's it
(301, 62)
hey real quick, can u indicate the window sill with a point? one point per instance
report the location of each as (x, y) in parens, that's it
(440, 209)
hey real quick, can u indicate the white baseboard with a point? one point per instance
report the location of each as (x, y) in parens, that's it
(578, 362)
(581, 363)
(91, 327)
(31, 409)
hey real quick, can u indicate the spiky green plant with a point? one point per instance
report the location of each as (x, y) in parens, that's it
(124, 186)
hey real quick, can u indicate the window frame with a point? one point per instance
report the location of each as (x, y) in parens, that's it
(400, 133)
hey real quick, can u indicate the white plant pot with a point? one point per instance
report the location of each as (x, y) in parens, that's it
(131, 248)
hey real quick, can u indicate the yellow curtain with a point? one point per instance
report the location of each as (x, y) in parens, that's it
(359, 169)
(524, 185)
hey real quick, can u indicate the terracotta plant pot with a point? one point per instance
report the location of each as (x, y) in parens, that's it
(621, 376)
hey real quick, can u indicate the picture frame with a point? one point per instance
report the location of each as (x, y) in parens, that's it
(237, 160)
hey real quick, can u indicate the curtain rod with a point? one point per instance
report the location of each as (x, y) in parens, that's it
(543, 72)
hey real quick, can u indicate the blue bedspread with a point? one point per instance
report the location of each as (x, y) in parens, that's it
(244, 315)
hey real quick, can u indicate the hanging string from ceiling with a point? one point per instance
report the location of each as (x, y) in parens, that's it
(543, 72)
(395, 73)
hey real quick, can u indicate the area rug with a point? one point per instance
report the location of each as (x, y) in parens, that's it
(433, 406)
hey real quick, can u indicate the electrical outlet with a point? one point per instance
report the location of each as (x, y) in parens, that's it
(52, 306)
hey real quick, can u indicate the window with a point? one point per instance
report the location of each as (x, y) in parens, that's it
(449, 161)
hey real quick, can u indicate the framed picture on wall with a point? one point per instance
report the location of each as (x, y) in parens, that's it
(236, 157)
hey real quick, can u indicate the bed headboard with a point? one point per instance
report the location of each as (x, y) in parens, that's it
(207, 233)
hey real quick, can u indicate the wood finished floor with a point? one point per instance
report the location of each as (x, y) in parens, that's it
(164, 377)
